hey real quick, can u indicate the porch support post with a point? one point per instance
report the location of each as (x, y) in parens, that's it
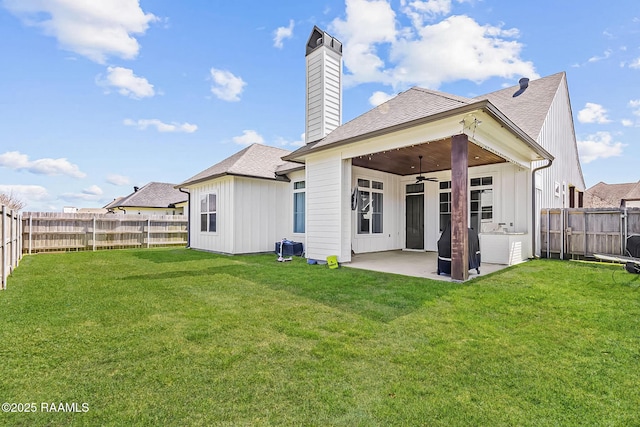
(459, 207)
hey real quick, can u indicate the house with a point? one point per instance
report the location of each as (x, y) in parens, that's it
(617, 196)
(155, 198)
(393, 177)
(246, 203)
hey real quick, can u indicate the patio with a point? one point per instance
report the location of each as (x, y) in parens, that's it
(411, 263)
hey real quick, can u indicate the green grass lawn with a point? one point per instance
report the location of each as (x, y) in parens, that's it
(172, 337)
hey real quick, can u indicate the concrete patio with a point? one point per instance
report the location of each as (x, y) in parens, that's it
(411, 263)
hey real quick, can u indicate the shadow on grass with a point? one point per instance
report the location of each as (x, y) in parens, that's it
(169, 255)
(377, 296)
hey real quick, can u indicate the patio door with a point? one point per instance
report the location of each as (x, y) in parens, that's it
(415, 221)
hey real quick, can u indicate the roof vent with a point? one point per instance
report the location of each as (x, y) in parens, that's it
(524, 84)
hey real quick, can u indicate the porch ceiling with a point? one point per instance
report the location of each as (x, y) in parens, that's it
(436, 157)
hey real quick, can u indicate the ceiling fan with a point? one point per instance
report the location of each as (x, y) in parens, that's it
(421, 178)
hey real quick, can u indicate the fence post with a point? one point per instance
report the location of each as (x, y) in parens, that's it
(13, 259)
(4, 249)
(626, 230)
(148, 232)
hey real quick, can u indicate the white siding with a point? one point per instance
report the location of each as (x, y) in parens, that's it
(252, 215)
(222, 239)
(324, 94)
(261, 214)
(558, 138)
(327, 196)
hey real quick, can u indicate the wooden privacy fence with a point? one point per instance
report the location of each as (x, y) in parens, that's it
(580, 233)
(11, 243)
(45, 231)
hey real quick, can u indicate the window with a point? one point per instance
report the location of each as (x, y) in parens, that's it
(370, 206)
(445, 204)
(299, 206)
(415, 188)
(481, 203)
(208, 213)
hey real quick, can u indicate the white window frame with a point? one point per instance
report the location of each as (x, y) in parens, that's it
(207, 209)
(301, 189)
(366, 207)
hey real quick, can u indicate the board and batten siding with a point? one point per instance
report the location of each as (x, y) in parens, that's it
(558, 138)
(261, 214)
(252, 214)
(328, 207)
(222, 239)
(324, 71)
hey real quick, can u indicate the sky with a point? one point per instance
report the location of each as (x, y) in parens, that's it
(99, 96)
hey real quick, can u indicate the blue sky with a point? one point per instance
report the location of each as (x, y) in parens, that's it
(96, 97)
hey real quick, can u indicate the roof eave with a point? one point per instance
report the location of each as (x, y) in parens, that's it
(220, 175)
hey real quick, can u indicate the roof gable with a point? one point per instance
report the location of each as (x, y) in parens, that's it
(413, 104)
(257, 161)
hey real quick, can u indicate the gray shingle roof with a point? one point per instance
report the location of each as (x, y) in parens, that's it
(604, 195)
(152, 195)
(527, 111)
(413, 104)
(257, 161)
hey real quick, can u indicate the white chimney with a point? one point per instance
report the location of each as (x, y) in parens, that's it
(324, 85)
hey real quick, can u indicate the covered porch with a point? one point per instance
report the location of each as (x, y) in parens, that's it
(411, 263)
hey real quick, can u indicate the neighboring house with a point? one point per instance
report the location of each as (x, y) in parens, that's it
(617, 196)
(155, 198)
(490, 162)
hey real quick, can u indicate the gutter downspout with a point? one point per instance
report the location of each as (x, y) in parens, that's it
(188, 216)
(533, 205)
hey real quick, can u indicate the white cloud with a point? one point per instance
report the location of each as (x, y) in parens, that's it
(419, 11)
(605, 55)
(94, 29)
(116, 179)
(634, 104)
(127, 83)
(226, 86)
(299, 143)
(283, 33)
(248, 137)
(380, 97)
(18, 161)
(74, 197)
(456, 48)
(160, 126)
(635, 63)
(26, 193)
(593, 113)
(599, 146)
(94, 190)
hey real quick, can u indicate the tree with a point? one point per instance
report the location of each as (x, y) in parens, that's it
(11, 201)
